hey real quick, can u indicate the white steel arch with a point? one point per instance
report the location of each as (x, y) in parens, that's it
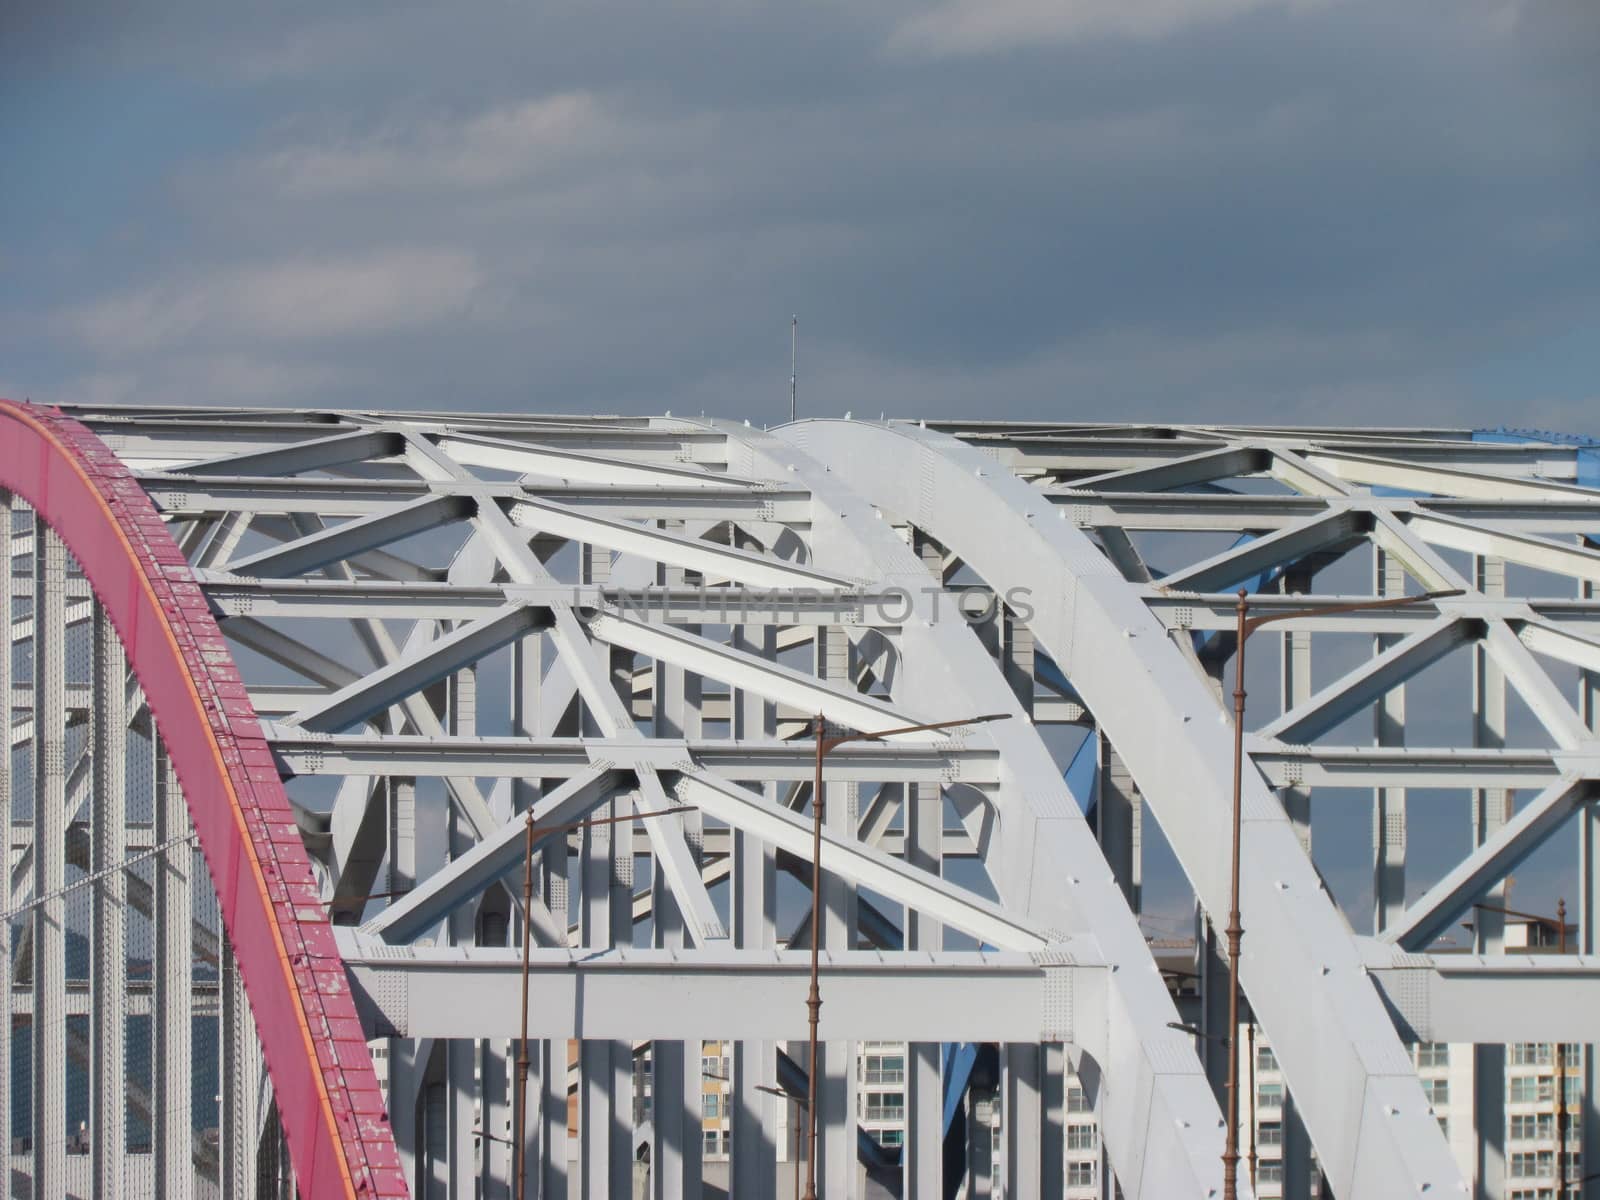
(1302, 970)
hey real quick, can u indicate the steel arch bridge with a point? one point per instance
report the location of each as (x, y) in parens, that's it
(283, 684)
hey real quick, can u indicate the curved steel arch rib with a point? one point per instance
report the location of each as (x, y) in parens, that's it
(1302, 967)
(327, 1093)
(1160, 1119)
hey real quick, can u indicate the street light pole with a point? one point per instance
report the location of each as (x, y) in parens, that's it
(520, 1150)
(824, 745)
(1245, 625)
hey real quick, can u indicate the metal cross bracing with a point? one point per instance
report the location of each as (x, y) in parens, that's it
(446, 620)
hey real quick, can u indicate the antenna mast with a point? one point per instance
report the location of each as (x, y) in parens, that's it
(794, 335)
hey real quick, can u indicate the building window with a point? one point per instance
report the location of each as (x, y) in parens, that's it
(1530, 1089)
(1266, 1060)
(886, 1106)
(1269, 1095)
(1437, 1091)
(885, 1068)
(890, 1137)
(1269, 1133)
(1530, 1054)
(1077, 1102)
(1080, 1137)
(1269, 1170)
(1533, 1164)
(1080, 1174)
(1433, 1054)
(1527, 1127)
(710, 1106)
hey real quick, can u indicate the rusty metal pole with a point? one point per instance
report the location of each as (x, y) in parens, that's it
(814, 999)
(519, 1163)
(1230, 1149)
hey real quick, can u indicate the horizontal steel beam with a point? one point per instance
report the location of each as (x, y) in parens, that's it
(302, 753)
(1488, 999)
(1408, 766)
(342, 600)
(756, 995)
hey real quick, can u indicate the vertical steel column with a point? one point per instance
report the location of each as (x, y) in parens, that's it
(7, 699)
(1491, 809)
(836, 1142)
(755, 906)
(462, 1113)
(1295, 654)
(544, 1154)
(173, 995)
(980, 1144)
(1211, 969)
(1052, 1120)
(1388, 803)
(400, 799)
(1017, 656)
(676, 1163)
(1589, 917)
(109, 958)
(1118, 821)
(1022, 1120)
(605, 1067)
(922, 1160)
(241, 1066)
(49, 863)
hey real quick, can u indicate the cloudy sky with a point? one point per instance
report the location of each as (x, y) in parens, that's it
(1210, 209)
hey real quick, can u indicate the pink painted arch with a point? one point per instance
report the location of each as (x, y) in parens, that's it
(329, 1099)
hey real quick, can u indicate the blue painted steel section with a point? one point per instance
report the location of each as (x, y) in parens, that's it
(1588, 465)
(959, 1058)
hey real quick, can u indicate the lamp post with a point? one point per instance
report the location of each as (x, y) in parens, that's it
(825, 744)
(520, 1150)
(1245, 626)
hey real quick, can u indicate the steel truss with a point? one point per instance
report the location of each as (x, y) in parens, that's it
(432, 624)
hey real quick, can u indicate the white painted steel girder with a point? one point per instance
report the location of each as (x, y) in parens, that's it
(1302, 969)
(1160, 1119)
(416, 991)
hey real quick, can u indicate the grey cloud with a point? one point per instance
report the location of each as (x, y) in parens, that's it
(1337, 207)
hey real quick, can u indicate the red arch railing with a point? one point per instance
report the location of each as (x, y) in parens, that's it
(332, 1109)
